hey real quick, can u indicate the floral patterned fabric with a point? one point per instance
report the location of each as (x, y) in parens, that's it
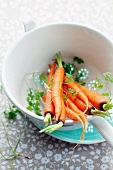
(41, 151)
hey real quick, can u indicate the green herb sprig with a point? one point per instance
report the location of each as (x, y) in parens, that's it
(34, 95)
(14, 154)
(33, 99)
(108, 77)
(65, 97)
(70, 77)
(71, 91)
(11, 112)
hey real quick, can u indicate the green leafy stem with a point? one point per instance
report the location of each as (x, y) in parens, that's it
(13, 150)
(33, 99)
(105, 85)
(101, 113)
(34, 95)
(11, 112)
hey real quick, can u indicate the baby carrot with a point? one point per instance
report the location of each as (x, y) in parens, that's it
(60, 123)
(72, 115)
(96, 99)
(44, 97)
(68, 94)
(63, 113)
(51, 73)
(80, 93)
(49, 107)
(57, 87)
(79, 103)
(50, 76)
(74, 108)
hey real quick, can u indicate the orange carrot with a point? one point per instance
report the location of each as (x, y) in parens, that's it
(48, 103)
(74, 99)
(80, 93)
(96, 99)
(51, 73)
(57, 87)
(44, 97)
(80, 104)
(61, 118)
(49, 107)
(72, 115)
(66, 92)
(74, 108)
(69, 113)
(63, 112)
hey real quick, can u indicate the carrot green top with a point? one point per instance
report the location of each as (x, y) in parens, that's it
(59, 59)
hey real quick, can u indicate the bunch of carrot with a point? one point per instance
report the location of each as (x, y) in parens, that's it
(66, 98)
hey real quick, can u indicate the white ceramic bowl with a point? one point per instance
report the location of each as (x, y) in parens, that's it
(34, 50)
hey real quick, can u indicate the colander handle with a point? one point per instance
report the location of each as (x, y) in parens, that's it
(105, 129)
(29, 25)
